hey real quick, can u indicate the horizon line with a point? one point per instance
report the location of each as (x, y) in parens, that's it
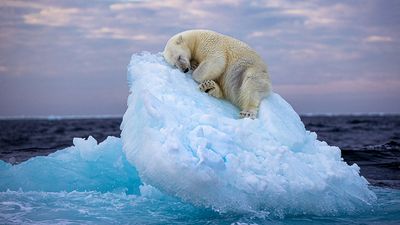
(117, 116)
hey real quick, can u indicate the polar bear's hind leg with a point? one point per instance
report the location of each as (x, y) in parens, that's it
(254, 88)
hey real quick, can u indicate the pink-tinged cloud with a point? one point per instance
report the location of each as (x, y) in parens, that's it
(350, 87)
(378, 38)
(52, 16)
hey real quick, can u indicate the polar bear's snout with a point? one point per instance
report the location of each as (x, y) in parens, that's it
(183, 67)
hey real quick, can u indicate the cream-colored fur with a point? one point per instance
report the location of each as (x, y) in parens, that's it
(223, 66)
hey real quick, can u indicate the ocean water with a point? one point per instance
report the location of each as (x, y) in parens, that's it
(99, 198)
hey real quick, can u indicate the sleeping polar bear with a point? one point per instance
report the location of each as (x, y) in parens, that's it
(223, 66)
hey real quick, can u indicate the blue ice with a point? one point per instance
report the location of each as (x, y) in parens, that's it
(86, 166)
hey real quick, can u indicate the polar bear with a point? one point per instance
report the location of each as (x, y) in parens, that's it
(223, 66)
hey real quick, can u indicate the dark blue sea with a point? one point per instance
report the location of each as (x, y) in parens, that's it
(370, 141)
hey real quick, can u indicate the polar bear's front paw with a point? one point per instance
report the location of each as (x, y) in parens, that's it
(193, 65)
(211, 88)
(248, 114)
(207, 85)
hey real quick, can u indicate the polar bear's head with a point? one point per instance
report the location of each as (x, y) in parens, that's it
(177, 53)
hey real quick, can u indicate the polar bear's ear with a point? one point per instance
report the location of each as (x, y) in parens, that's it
(179, 40)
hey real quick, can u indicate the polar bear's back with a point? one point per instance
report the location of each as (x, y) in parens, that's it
(211, 42)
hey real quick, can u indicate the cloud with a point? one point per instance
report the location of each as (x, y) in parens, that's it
(312, 13)
(181, 5)
(116, 33)
(52, 16)
(316, 16)
(145, 4)
(352, 86)
(192, 10)
(3, 69)
(320, 52)
(90, 22)
(266, 33)
(378, 38)
(134, 21)
(124, 34)
(21, 4)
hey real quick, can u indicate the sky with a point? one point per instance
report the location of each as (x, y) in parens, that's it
(69, 57)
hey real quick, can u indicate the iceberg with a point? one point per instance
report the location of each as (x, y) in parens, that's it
(193, 146)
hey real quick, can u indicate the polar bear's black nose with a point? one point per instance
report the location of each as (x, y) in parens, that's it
(186, 70)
